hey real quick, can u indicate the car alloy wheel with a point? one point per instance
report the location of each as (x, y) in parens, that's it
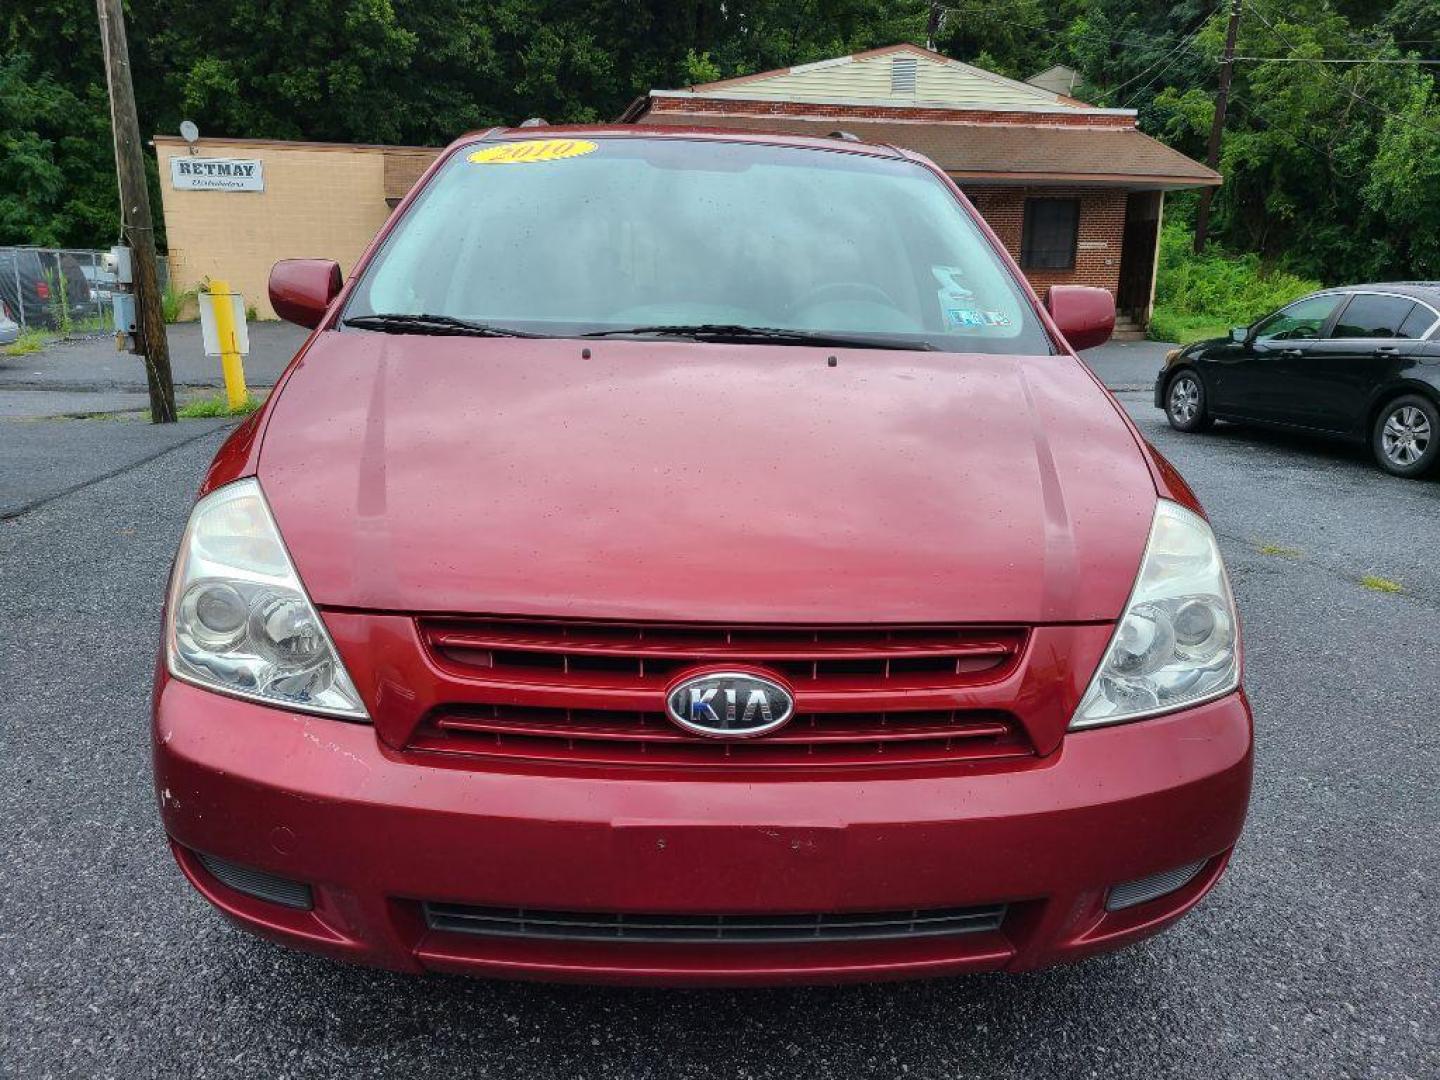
(1406, 435)
(1185, 403)
(1185, 399)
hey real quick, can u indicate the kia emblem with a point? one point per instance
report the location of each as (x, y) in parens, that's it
(729, 705)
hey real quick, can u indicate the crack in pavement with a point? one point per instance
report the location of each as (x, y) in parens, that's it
(13, 513)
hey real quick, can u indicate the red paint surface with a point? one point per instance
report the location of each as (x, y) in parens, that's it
(698, 483)
(1083, 314)
(374, 830)
(301, 289)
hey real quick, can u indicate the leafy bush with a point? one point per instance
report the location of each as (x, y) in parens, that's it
(1198, 296)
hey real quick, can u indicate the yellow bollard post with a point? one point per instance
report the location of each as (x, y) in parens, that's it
(236, 393)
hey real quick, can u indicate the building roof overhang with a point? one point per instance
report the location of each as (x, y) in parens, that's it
(1032, 155)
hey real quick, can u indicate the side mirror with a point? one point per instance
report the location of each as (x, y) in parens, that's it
(1085, 315)
(1238, 334)
(301, 289)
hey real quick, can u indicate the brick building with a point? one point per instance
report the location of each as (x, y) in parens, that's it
(1075, 192)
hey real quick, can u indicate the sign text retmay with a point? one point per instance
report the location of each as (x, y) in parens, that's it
(217, 174)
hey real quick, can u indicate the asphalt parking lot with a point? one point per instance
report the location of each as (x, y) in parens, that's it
(1316, 957)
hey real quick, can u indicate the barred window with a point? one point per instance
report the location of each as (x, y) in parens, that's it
(1051, 228)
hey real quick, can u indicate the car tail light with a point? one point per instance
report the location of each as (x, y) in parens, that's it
(42, 290)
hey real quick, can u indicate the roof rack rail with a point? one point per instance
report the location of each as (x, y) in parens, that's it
(848, 136)
(535, 121)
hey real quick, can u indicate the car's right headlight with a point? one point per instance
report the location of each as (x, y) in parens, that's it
(1178, 641)
(239, 620)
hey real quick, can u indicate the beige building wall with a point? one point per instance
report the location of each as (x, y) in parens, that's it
(321, 200)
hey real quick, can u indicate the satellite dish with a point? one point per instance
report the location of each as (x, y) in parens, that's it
(189, 132)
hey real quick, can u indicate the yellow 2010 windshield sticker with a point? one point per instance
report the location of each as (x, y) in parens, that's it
(523, 153)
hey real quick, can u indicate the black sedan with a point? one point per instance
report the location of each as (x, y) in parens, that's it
(1360, 362)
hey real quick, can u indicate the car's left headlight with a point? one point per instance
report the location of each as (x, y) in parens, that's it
(239, 620)
(1178, 642)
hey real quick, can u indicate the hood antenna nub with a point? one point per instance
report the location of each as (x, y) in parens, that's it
(832, 361)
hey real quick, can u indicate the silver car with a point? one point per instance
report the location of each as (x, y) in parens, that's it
(9, 328)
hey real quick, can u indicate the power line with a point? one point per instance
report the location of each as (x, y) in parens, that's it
(1323, 60)
(1148, 83)
(1167, 59)
(1349, 90)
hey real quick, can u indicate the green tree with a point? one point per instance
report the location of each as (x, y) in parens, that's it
(1330, 170)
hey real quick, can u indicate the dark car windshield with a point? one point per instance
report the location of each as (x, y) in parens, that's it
(569, 236)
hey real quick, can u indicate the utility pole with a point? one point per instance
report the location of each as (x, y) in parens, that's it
(136, 222)
(1217, 126)
(936, 21)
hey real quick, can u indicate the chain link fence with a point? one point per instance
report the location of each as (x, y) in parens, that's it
(65, 290)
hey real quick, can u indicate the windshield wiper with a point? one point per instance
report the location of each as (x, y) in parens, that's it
(442, 325)
(722, 332)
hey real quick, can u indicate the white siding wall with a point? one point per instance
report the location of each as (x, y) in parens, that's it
(870, 79)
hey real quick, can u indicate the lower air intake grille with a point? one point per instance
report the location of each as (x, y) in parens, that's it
(703, 929)
(1152, 887)
(258, 883)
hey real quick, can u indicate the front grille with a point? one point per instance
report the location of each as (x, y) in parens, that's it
(601, 737)
(593, 693)
(711, 929)
(893, 655)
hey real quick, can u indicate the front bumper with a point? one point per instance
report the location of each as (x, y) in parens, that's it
(375, 833)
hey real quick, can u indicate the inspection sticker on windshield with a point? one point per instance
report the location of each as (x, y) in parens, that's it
(532, 150)
(964, 317)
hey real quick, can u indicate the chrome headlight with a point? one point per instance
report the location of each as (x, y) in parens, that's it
(239, 620)
(1178, 642)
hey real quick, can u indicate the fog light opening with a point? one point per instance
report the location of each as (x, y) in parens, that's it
(1153, 887)
(258, 883)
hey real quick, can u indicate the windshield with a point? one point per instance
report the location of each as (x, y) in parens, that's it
(572, 236)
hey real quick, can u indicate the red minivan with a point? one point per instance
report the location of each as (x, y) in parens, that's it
(691, 557)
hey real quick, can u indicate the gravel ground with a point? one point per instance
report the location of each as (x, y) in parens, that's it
(1316, 957)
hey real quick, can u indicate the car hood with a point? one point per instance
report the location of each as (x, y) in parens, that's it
(687, 481)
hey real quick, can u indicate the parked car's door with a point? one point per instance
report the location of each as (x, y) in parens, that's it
(1254, 381)
(1372, 338)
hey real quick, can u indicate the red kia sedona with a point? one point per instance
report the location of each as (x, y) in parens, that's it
(691, 558)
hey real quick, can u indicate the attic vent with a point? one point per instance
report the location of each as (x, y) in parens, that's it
(902, 74)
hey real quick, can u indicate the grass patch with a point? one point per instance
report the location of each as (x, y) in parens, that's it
(1203, 296)
(1380, 584)
(175, 302)
(1166, 325)
(1279, 551)
(210, 407)
(30, 341)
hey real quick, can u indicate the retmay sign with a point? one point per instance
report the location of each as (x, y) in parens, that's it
(217, 174)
